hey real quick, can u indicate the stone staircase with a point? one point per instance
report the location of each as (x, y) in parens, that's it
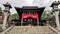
(30, 30)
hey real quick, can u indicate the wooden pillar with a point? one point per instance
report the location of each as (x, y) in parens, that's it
(21, 22)
(37, 22)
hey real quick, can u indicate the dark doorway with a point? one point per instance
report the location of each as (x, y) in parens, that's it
(30, 21)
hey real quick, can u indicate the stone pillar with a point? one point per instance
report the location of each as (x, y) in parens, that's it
(56, 11)
(6, 14)
(5, 20)
(57, 19)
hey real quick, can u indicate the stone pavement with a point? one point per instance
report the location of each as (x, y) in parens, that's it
(31, 30)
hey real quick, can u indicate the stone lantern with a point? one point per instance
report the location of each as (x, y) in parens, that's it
(6, 12)
(55, 11)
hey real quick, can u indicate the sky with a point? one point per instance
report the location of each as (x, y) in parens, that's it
(20, 3)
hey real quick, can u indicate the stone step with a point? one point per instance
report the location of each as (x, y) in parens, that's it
(30, 30)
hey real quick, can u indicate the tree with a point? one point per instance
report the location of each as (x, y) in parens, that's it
(46, 15)
(0, 9)
(15, 16)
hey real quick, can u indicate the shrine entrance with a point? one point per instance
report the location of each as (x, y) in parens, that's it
(29, 19)
(29, 15)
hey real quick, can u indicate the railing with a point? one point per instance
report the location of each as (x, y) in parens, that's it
(54, 30)
(7, 30)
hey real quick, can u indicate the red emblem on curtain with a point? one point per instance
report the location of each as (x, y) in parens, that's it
(30, 15)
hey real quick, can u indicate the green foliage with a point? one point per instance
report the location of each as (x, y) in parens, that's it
(15, 16)
(46, 15)
(0, 9)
